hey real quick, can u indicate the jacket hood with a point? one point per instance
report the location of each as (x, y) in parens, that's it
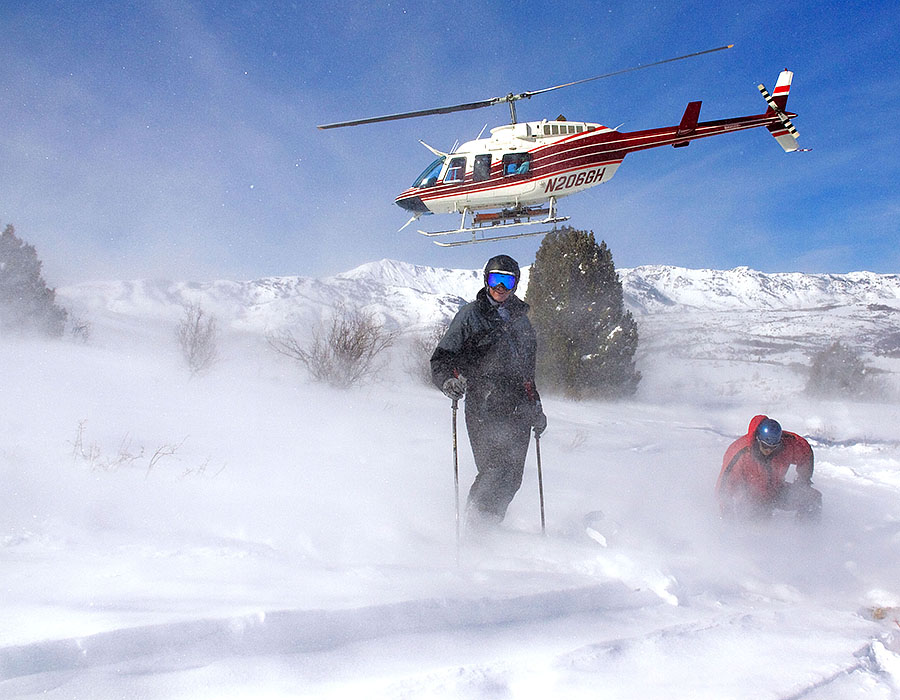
(754, 424)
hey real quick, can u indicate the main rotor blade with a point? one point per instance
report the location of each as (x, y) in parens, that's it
(626, 70)
(507, 98)
(417, 113)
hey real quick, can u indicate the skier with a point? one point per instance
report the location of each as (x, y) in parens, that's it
(752, 481)
(488, 356)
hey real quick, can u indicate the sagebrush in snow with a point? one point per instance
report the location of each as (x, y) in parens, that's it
(198, 337)
(421, 348)
(342, 353)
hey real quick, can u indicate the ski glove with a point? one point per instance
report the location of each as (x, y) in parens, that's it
(540, 420)
(454, 388)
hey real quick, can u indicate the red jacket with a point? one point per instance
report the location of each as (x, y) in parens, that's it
(748, 475)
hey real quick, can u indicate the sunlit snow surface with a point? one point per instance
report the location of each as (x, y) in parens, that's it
(248, 534)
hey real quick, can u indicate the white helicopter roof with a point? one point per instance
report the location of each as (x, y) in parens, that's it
(529, 134)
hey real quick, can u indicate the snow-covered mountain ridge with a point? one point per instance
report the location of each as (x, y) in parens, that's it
(407, 294)
(658, 287)
(661, 287)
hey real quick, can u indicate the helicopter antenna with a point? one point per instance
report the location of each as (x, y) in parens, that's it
(439, 154)
(511, 98)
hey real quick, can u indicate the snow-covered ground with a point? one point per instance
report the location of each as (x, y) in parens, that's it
(248, 534)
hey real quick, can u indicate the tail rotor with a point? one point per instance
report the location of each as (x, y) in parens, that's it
(784, 132)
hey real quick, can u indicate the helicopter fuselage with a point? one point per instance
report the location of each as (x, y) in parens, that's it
(520, 164)
(531, 163)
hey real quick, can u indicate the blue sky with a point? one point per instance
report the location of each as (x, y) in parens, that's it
(177, 139)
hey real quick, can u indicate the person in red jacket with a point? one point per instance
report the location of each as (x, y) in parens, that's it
(752, 481)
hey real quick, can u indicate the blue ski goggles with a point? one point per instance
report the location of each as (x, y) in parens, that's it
(497, 278)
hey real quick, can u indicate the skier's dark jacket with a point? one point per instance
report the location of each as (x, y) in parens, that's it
(496, 357)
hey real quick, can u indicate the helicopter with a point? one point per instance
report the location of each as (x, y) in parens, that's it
(516, 176)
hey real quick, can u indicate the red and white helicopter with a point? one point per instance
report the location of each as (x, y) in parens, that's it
(516, 176)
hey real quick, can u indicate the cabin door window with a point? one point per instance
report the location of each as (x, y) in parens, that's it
(457, 170)
(516, 164)
(482, 168)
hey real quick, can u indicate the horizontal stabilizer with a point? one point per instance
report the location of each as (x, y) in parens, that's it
(787, 138)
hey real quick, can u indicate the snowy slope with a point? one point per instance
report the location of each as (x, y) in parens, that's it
(248, 534)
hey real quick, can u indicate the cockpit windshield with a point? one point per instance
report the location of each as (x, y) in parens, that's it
(429, 176)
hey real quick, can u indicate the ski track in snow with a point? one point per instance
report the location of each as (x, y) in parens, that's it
(303, 631)
(674, 652)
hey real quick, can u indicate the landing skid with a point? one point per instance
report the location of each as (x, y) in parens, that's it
(506, 218)
(488, 239)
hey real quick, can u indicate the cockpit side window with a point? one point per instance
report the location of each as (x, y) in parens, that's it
(516, 164)
(457, 170)
(429, 176)
(482, 168)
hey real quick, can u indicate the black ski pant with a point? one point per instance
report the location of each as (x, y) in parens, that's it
(804, 499)
(499, 446)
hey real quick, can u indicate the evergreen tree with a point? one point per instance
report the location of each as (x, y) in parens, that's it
(26, 303)
(586, 337)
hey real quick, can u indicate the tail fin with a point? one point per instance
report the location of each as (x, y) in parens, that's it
(784, 132)
(781, 92)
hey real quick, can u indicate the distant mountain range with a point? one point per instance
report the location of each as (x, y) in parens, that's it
(710, 313)
(653, 288)
(408, 293)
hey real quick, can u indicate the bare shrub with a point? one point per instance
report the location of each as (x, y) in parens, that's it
(421, 347)
(80, 329)
(89, 453)
(125, 456)
(342, 353)
(162, 452)
(198, 336)
(202, 469)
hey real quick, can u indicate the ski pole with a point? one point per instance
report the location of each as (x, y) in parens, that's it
(537, 449)
(456, 477)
